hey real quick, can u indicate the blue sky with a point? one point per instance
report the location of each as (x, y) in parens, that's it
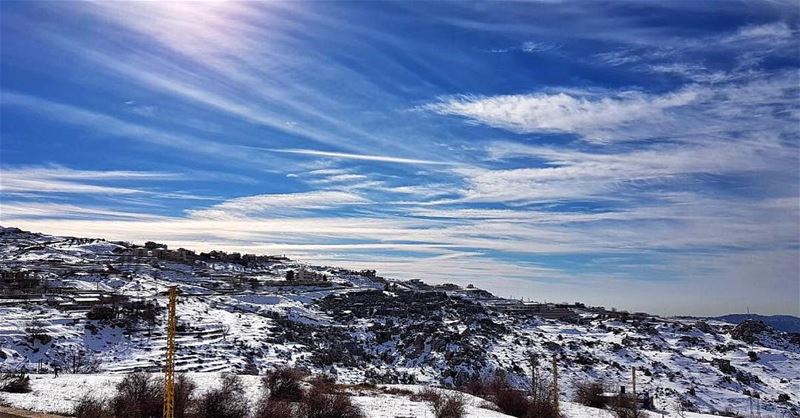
(627, 154)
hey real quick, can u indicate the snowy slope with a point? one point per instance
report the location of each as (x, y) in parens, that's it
(235, 316)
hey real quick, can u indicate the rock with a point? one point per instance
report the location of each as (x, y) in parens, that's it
(749, 330)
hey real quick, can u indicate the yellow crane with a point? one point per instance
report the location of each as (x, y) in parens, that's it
(169, 368)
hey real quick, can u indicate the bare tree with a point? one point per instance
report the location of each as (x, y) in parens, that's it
(37, 330)
(76, 360)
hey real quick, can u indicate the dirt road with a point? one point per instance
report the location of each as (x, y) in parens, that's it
(6, 412)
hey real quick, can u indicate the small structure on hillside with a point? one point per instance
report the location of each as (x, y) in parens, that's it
(302, 275)
(545, 310)
(19, 279)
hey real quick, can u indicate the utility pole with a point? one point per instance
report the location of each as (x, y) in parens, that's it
(534, 360)
(633, 380)
(555, 384)
(169, 368)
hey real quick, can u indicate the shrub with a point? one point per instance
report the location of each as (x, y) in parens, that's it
(226, 401)
(324, 382)
(273, 408)
(36, 330)
(752, 355)
(134, 313)
(102, 313)
(427, 394)
(318, 404)
(283, 383)
(250, 367)
(15, 383)
(543, 408)
(449, 405)
(724, 365)
(184, 390)
(138, 395)
(512, 402)
(625, 406)
(590, 394)
(515, 402)
(91, 407)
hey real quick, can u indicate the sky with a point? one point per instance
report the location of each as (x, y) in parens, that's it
(638, 155)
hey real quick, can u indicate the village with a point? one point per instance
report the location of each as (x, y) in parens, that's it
(67, 285)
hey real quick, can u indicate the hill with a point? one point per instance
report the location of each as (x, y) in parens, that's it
(786, 323)
(90, 305)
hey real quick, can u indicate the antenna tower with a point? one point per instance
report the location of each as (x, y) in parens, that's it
(169, 368)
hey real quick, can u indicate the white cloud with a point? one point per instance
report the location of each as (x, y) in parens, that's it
(530, 47)
(769, 33)
(55, 179)
(765, 103)
(364, 157)
(592, 115)
(272, 204)
(33, 210)
(571, 174)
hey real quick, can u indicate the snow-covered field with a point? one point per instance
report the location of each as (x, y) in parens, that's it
(58, 396)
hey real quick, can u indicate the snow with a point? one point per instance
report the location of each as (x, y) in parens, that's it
(59, 395)
(244, 325)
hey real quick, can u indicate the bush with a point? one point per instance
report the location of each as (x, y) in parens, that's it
(318, 404)
(102, 313)
(226, 401)
(36, 330)
(543, 408)
(283, 383)
(91, 407)
(15, 383)
(625, 406)
(515, 402)
(138, 395)
(273, 408)
(426, 395)
(449, 405)
(184, 390)
(512, 402)
(324, 382)
(590, 394)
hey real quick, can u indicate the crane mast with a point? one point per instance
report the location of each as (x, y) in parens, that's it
(169, 368)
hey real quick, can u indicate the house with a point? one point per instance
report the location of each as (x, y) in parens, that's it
(545, 310)
(140, 252)
(19, 279)
(306, 276)
(85, 300)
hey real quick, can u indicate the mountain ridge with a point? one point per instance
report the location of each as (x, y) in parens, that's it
(788, 323)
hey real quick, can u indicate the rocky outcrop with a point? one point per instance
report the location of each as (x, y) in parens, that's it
(748, 331)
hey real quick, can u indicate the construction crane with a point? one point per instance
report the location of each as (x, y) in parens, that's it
(169, 368)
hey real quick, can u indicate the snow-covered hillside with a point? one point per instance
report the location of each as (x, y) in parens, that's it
(239, 313)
